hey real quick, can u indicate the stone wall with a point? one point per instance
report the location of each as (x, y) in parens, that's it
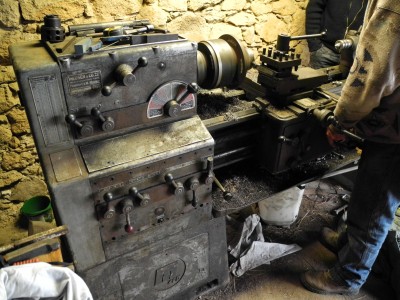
(257, 23)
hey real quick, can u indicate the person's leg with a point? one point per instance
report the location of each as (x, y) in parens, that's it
(374, 200)
(371, 211)
(394, 256)
(387, 264)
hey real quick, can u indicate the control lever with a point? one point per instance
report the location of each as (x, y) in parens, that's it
(193, 184)
(227, 195)
(289, 141)
(191, 88)
(142, 62)
(143, 198)
(84, 129)
(125, 74)
(209, 178)
(327, 118)
(176, 186)
(173, 108)
(107, 123)
(110, 210)
(127, 207)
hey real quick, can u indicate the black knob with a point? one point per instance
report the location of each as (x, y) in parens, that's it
(106, 90)
(191, 88)
(71, 119)
(142, 61)
(172, 108)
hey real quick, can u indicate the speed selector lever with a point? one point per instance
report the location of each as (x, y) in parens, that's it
(177, 187)
(173, 107)
(143, 198)
(107, 123)
(191, 88)
(84, 129)
(125, 74)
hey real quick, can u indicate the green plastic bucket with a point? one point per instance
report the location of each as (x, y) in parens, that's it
(37, 208)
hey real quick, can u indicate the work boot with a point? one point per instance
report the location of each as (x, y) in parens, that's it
(332, 239)
(322, 282)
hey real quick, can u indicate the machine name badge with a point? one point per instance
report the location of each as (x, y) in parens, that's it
(83, 82)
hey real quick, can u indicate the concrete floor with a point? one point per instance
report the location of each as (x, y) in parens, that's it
(280, 279)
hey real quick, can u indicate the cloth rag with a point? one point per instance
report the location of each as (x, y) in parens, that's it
(42, 281)
(252, 251)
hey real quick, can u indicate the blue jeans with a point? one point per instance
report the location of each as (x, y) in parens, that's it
(374, 201)
(324, 58)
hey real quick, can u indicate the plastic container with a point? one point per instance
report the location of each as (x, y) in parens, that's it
(37, 208)
(282, 208)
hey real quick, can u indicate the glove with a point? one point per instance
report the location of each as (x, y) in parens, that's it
(334, 136)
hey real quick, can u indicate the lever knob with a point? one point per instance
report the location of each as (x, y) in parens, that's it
(191, 88)
(177, 186)
(107, 89)
(142, 62)
(128, 227)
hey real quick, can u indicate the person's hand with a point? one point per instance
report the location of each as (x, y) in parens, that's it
(334, 136)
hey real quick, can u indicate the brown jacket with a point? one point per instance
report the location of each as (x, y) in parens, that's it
(370, 99)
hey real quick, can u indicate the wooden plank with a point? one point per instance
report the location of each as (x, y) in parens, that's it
(51, 233)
